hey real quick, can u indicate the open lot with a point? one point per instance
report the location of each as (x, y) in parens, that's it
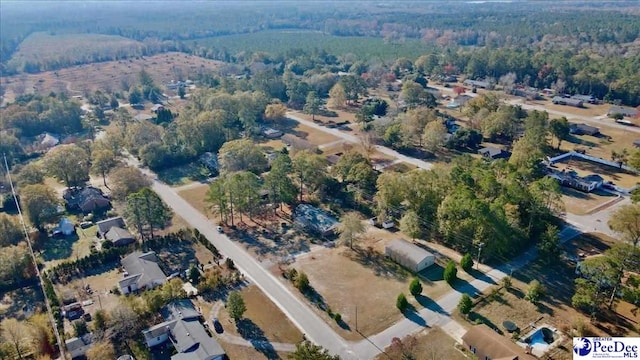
(427, 344)
(263, 320)
(592, 110)
(618, 176)
(314, 136)
(612, 139)
(182, 175)
(196, 197)
(581, 203)
(111, 75)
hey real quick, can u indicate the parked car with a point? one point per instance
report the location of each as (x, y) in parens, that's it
(217, 326)
(86, 224)
(388, 224)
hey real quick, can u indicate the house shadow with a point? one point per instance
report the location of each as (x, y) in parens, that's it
(427, 303)
(432, 274)
(252, 333)
(380, 264)
(59, 247)
(412, 314)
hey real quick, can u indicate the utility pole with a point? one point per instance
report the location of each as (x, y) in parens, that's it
(356, 317)
(52, 320)
(479, 252)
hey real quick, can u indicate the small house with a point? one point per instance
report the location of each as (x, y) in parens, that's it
(409, 255)
(105, 225)
(485, 343)
(271, 133)
(142, 272)
(314, 220)
(583, 129)
(78, 346)
(65, 228)
(119, 236)
(558, 100)
(572, 180)
(624, 110)
(157, 107)
(477, 84)
(49, 141)
(209, 160)
(585, 98)
(493, 153)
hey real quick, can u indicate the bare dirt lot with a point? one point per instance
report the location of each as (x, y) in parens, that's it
(111, 75)
(581, 203)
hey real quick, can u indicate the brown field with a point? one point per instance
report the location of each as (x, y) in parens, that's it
(262, 315)
(612, 139)
(429, 344)
(109, 76)
(402, 167)
(316, 137)
(591, 110)
(581, 203)
(582, 167)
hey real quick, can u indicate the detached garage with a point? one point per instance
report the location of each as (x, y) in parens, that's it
(409, 255)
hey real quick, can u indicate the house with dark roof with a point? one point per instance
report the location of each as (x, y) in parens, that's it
(583, 129)
(86, 199)
(559, 100)
(485, 343)
(315, 220)
(271, 133)
(183, 328)
(104, 226)
(141, 272)
(409, 255)
(494, 153)
(585, 98)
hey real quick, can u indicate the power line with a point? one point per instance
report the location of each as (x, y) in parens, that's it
(33, 258)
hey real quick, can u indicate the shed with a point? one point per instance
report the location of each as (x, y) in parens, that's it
(583, 129)
(65, 227)
(409, 255)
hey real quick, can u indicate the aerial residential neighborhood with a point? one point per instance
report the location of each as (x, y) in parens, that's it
(318, 180)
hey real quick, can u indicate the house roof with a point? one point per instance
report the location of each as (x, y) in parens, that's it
(317, 218)
(143, 269)
(568, 101)
(408, 251)
(142, 117)
(86, 199)
(636, 143)
(476, 83)
(493, 152)
(105, 225)
(76, 343)
(50, 140)
(585, 128)
(179, 309)
(494, 345)
(117, 233)
(624, 110)
(65, 226)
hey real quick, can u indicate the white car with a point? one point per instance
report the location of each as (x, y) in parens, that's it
(219, 229)
(388, 224)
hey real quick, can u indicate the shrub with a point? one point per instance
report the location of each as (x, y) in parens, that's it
(302, 282)
(401, 302)
(466, 263)
(535, 292)
(230, 264)
(292, 274)
(507, 282)
(465, 305)
(450, 273)
(337, 317)
(415, 288)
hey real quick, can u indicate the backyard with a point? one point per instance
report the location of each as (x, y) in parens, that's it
(619, 177)
(582, 203)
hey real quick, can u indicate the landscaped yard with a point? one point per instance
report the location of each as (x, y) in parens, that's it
(581, 203)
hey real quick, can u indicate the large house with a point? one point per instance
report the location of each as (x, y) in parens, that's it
(141, 272)
(623, 110)
(585, 98)
(115, 230)
(571, 179)
(486, 344)
(583, 129)
(314, 220)
(86, 199)
(409, 255)
(183, 328)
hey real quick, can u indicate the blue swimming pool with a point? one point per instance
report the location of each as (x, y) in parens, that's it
(542, 336)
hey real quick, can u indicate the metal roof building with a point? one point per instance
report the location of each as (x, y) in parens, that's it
(409, 255)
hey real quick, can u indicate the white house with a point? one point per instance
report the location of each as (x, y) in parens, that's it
(409, 255)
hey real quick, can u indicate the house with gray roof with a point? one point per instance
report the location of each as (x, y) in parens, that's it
(183, 328)
(78, 346)
(477, 84)
(85, 199)
(559, 100)
(119, 236)
(626, 111)
(105, 225)
(583, 129)
(315, 220)
(409, 255)
(141, 272)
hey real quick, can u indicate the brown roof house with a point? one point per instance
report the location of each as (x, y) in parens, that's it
(485, 344)
(86, 199)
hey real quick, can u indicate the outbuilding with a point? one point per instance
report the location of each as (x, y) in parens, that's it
(409, 255)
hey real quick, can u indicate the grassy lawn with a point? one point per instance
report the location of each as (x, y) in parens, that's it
(185, 174)
(591, 110)
(196, 197)
(263, 319)
(588, 244)
(55, 251)
(314, 136)
(426, 345)
(581, 203)
(271, 144)
(608, 173)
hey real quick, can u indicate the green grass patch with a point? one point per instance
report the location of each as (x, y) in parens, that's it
(182, 175)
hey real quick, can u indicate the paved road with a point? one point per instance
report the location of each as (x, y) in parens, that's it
(300, 314)
(356, 140)
(598, 221)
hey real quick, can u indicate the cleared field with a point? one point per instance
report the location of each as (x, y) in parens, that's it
(588, 109)
(612, 139)
(263, 320)
(110, 75)
(72, 48)
(426, 344)
(581, 203)
(196, 197)
(55, 251)
(314, 136)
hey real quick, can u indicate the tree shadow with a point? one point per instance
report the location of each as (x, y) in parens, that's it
(412, 314)
(343, 325)
(474, 317)
(463, 286)
(59, 248)
(481, 276)
(380, 264)
(427, 303)
(176, 256)
(252, 333)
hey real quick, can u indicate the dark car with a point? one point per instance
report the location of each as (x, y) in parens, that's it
(217, 326)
